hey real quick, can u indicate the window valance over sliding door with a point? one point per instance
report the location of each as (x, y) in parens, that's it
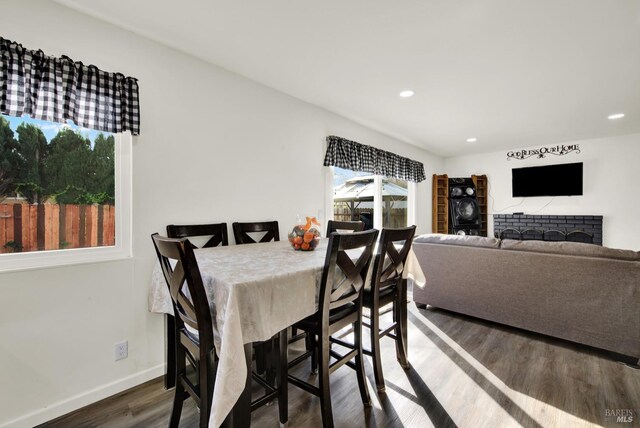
(57, 89)
(348, 154)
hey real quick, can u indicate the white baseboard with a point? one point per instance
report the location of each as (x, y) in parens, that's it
(76, 402)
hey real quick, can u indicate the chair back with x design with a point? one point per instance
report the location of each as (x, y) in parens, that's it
(342, 278)
(340, 226)
(241, 232)
(390, 262)
(217, 233)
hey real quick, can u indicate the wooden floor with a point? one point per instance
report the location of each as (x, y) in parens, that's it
(465, 372)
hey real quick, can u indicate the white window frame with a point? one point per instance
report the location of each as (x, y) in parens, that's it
(377, 199)
(10, 262)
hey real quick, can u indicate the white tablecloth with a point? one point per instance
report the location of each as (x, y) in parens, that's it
(255, 291)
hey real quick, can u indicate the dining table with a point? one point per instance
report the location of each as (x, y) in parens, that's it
(254, 291)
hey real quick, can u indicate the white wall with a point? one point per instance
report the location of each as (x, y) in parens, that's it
(214, 147)
(610, 178)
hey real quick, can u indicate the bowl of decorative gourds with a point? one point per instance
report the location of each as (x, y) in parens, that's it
(305, 237)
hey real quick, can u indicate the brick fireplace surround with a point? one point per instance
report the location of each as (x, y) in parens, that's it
(591, 224)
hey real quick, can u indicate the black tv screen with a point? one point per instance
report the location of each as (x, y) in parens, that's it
(550, 180)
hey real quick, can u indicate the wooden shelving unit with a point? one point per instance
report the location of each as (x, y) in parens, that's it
(482, 195)
(440, 204)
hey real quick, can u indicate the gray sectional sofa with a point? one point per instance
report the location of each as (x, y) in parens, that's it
(579, 292)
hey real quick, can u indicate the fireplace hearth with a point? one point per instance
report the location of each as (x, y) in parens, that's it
(576, 228)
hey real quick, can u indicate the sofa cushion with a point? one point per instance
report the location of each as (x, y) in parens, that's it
(464, 240)
(570, 248)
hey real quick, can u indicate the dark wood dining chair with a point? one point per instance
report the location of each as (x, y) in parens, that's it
(340, 226)
(332, 226)
(194, 337)
(217, 233)
(196, 342)
(388, 287)
(340, 306)
(241, 232)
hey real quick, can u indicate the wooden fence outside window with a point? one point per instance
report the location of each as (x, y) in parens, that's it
(397, 217)
(25, 227)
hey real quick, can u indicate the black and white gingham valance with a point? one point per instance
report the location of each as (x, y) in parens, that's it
(358, 157)
(57, 89)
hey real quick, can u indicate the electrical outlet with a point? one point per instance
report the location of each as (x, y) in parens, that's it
(121, 350)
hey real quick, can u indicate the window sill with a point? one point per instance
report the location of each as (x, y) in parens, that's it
(60, 258)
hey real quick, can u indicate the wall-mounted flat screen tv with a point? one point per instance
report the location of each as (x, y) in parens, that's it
(549, 180)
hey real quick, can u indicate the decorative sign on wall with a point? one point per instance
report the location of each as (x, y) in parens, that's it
(559, 150)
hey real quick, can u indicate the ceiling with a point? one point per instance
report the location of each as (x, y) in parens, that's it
(509, 73)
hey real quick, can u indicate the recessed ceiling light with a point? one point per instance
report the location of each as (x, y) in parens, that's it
(406, 94)
(472, 140)
(616, 116)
